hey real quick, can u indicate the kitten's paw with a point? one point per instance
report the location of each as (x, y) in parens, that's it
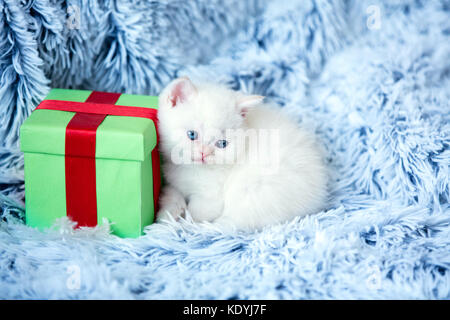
(228, 223)
(203, 209)
(168, 214)
(173, 205)
(225, 223)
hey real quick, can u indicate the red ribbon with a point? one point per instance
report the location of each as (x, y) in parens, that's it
(81, 198)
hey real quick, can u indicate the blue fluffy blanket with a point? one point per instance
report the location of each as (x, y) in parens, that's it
(371, 78)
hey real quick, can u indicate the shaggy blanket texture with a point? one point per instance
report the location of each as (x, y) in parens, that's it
(371, 78)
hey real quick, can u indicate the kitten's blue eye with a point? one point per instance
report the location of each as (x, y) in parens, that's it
(192, 134)
(221, 144)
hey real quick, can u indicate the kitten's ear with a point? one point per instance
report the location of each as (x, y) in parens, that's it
(245, 103)
(178, 91)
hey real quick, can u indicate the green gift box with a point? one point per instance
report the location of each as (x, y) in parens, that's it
(92, 155)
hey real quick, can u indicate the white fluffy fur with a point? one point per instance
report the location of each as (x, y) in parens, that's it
(244, 194)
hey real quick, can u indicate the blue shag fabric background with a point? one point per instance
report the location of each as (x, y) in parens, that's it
(371, 78)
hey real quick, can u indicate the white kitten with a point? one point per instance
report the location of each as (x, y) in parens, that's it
(232, 160)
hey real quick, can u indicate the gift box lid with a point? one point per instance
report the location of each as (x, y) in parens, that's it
(117, 137)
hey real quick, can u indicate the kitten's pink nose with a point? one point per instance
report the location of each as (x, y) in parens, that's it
(206, 151)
